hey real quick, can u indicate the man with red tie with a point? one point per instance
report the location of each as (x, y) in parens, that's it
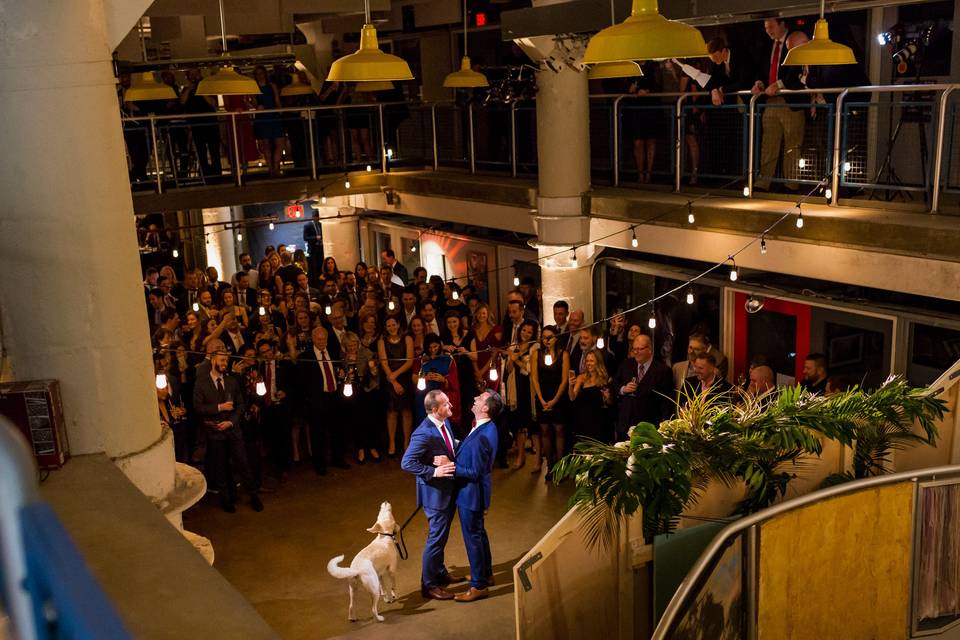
(435, 489)
(783, 117)
(316, 365)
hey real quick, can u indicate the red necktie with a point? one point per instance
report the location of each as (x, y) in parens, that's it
(446, 438)
(327, 373)
(774, 64)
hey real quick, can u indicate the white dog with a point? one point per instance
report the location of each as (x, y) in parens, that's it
(375, 566)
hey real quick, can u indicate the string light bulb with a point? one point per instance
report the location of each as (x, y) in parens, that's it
(516, 280)
(800, 220)
(196, 307)
(389, 153)
(689, 296)
(733, 271)
(828, 193)
(391, 306)
(176, 253)
(369, 168)
(548, 360)
(633, 241)
(239, 237)
(323, 199)
(690, 217)
(746, 192)
(847, 166)
(455, 294)
(263, 311)
(763, 246)
(494, 376)
(328, 310)
(421, 382)
(601, 343)
(161, 381)
(652, 322)
(802, 163)
(347, 390)
(261, 388)
(272, 226)
(346, 184)
(573, 261)
(413, 248)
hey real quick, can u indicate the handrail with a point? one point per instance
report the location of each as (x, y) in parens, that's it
(699, 571)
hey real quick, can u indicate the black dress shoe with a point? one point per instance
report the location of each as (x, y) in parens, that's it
(255, 503)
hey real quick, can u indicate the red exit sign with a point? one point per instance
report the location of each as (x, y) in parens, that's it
(294, 211)
(480, 19)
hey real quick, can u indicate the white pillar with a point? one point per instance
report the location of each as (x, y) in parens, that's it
(561, 218)
(341, 235)
(221, 245)
(72, 303)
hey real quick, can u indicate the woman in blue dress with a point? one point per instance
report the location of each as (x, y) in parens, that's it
(438, 371)
(267, 127)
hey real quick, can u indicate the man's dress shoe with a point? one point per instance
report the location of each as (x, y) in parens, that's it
(472, 594)
(437, 593)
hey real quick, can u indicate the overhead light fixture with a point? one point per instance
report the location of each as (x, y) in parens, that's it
(466, 77)
(821, 50)
(645, 35)
(369, 63)
(144, 86)
(605, 70)
(227, 82)
(297, 87)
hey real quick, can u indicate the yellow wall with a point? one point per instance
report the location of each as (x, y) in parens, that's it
(838, 569)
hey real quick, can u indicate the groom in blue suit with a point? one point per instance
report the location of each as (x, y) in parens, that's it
(431, 443)
(474, 464)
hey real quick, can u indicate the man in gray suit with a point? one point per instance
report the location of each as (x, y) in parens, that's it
(218, 401)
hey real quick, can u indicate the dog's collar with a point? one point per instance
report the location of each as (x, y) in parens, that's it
(389, 535)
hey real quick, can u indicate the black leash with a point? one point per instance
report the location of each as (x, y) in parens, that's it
(402, 545)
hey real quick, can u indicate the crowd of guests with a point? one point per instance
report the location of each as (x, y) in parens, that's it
(337, 372)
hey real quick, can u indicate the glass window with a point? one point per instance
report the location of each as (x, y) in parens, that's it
(933, 350)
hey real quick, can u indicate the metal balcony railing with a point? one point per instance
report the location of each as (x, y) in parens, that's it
(876, 141)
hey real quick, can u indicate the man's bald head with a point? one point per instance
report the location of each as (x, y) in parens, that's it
(761, 379)
(575, 321)
(213, 346)
(796, 39)
(642, 348)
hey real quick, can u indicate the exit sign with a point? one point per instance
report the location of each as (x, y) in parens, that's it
(294, 211)
(480, 19)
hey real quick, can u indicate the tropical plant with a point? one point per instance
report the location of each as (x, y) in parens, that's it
(759, 440)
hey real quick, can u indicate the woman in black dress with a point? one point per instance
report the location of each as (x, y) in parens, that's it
(516, 391)
(590, 396)
(548, 379)
(643, 119)
(395, 351)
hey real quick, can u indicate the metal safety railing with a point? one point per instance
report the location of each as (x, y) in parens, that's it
(931, 509)
(849, 139)
(46, 588)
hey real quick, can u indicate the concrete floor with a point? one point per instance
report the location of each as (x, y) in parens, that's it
(277, 559)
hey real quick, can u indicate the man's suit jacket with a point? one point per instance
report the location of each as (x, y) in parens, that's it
(286, 378)
(228, 342)
(739, 78)
(206, 397)
(475, 457)
(426, 443)
(577, 355)
(250, 301)
(310, 374)
(652, 401)
(401, 271)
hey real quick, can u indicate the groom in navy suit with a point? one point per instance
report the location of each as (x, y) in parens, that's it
(432, 440)
(474, 464)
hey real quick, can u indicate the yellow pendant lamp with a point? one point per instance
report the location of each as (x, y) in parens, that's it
(606, 70)
(227, 82)
(821, 50)
(466, 78)
(645, 35)
(369, 64)
(297, 88)
(143, 86)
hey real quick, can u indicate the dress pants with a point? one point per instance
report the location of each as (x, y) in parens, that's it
(326, 431)
(438, 522)
(478, 547)
(277, 430)
(226, 454)
(781, 125)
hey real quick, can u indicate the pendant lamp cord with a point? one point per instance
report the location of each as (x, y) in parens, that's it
(143, 42)
(366, 11)
(464, 27)
(223, 28)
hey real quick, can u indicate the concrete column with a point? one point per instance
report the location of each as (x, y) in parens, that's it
(72, 303)
(341, 235)
(562, 215)
(221, 245)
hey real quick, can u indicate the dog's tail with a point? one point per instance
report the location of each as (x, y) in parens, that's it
(364, 571)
